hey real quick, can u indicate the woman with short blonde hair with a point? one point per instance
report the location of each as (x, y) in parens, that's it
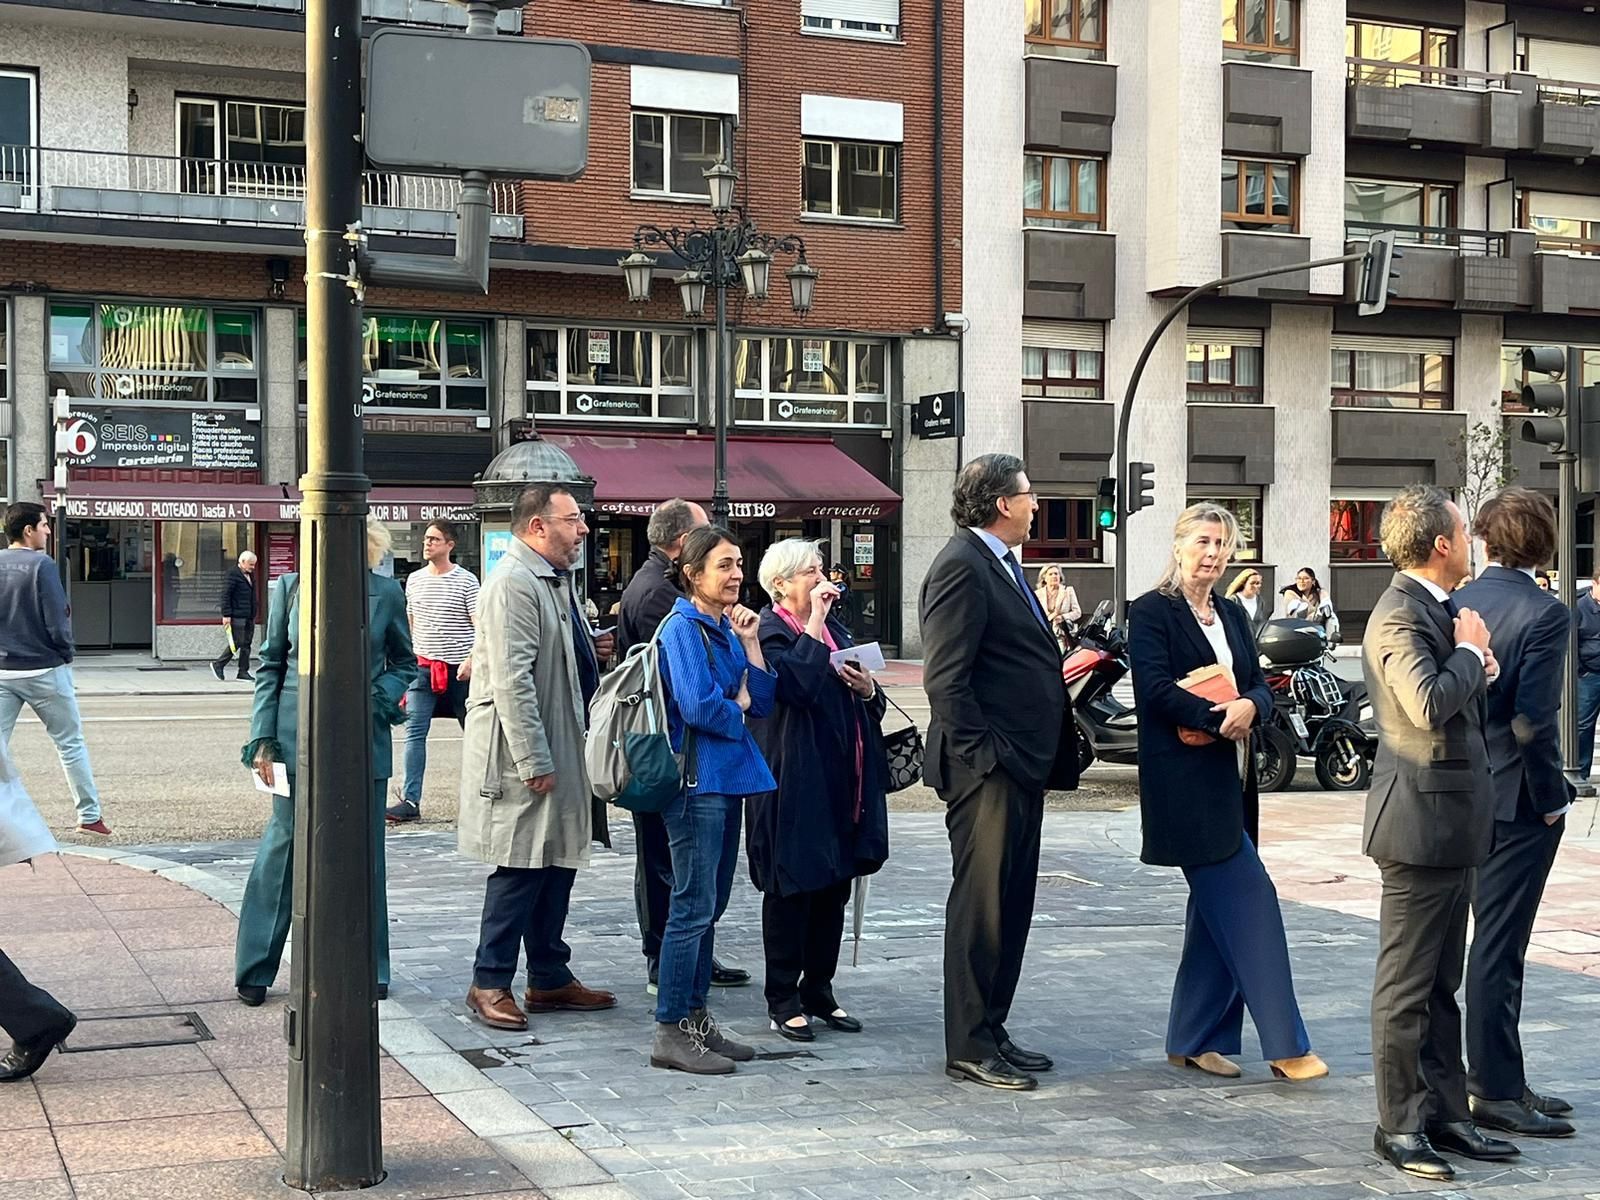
(1060, 603)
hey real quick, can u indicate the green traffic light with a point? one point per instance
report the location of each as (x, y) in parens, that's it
(1108, 518)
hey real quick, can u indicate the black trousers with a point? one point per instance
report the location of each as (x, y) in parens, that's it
(652, 880)
(1505, 903)
(526, 908)
(243, 631)
(1416, 1022)
(27, 1012)
(801, 934)
(994, 849)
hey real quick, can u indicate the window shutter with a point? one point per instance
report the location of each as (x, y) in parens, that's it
(1393, 345)
(1064, 335)
(1568, 62)
(1205, 335)
(881, 12)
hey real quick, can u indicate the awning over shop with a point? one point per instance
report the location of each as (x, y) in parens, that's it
(768, 478)
(258, 502)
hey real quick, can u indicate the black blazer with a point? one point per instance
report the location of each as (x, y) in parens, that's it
(1528, 626)
(1263, 614)
(1194, 805)
(646, 601)
(1431, 802)
(992, 672)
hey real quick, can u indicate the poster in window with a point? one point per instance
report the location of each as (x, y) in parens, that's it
(283, 552)
(864, 545)
(206, 440)
(812, 353)
(600, 347)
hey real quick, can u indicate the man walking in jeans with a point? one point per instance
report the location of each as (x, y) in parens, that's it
(238, 606)
(1588, 672)
(35, 648)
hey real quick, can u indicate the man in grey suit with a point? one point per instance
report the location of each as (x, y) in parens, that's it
(1429, 823)
(1518, 526)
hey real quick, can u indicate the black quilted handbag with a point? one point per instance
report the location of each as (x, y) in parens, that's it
(903, 749)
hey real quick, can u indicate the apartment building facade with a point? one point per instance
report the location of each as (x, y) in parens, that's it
(151, 258)
(1162, 144)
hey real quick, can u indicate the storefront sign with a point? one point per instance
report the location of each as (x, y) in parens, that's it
(201, 439)
(938, 416)
(783, 510)
(606, 405)
(387, 394)
(812, 412)
(283, 552)
(106, 508)
(599, 347)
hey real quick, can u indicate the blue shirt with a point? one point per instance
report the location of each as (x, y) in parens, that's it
(35, 629)
(727, 760)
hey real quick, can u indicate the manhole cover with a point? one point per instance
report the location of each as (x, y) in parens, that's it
(136, 1031)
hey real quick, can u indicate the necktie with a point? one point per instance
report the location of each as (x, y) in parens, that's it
(1022, 583)
(1451, 608)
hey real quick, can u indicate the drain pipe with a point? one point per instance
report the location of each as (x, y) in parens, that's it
(938, 160)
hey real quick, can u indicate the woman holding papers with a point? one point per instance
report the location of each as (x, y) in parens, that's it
(1200, 692)
(265, 911)
(828, 820)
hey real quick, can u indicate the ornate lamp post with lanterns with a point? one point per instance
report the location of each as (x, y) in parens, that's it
(732, 252)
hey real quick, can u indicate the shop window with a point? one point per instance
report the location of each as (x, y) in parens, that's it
(1063, 374)
(1220, 374)
(810, 381)
(672, 152)
(1261, 30)
(1064, 530)
(1075, 26)
(1513, 377)
(195, 557)
(1246, 509)
(1391, 379)
(1353, 530)
(609, 374)
(154, 353)
(411, 362)
(1062, 192)
(1259, 195)
(851, 179)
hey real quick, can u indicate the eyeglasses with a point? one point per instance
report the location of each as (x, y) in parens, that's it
(428, 540)
(1031, 495)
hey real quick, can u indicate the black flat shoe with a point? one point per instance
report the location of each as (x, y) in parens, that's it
(723, 976)
(1412, 1153)
(23, 1061)
(383, 991)
(1513, 1116)
(838, 1020)
(1550, 1106)
(993, 1072)
(251, 996)
(1466, 1139)
(1030, 1061)
(795, 1033)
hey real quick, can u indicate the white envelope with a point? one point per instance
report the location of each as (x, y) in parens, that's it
(868, 656)
(280, 780)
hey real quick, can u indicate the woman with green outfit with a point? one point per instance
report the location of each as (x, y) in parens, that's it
(264, 914)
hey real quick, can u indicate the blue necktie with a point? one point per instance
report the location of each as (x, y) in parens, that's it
(1022, 582)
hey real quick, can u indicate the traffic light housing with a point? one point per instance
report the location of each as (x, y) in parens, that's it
(1556, 419)
(1105, 504)
(1141, 491)
(1377, 271)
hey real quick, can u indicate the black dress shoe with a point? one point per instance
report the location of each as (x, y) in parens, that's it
(1513, 1116)
(1025, 1060)
(1550, 1106)
(251, 996)
(993, 1072)
(383, 991)
(837, 1020)
(24, 1060)
(722, 976)
(1412, 1153)
(1466, 1139)
(795, 1033)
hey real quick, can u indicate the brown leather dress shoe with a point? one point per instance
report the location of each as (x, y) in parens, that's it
(574, 997)
(496, 1008)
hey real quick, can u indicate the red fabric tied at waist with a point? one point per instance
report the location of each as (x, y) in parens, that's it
(438, 674)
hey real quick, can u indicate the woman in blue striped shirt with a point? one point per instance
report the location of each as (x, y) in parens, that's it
(714, 675)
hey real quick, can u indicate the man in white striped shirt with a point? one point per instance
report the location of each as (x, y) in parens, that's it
(442, 606)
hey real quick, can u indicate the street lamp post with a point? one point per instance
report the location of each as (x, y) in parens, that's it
(731, 252)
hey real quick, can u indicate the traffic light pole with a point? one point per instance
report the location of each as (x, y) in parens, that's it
(1119, 577)
(1567, 579)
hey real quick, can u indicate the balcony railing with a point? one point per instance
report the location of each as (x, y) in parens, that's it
(431, 13)
(1376, 72)
(1561, 91)
(1565, 245)
(1478, 243)
(157, 187)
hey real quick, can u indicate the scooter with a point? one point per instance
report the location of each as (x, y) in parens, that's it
(1315, 714)
(1108, 730)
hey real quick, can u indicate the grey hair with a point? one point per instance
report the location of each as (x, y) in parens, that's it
(982, 484)
(379, 540)
(1417, 517)
(1190, 520)
(784, 560)
(669, 522)
(247, 556)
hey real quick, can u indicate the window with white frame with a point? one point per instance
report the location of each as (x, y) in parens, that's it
(415, 361)
(852, 179)
(672, 152)
(829, 381)
(876, 19)
(19, 136)
(154, 353)
(604, 373)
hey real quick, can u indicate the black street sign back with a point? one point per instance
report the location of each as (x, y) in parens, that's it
(940, 415)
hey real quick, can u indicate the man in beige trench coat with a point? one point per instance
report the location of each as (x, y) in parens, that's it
(525, 796)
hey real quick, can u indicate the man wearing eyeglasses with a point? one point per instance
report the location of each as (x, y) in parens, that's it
(442, 606)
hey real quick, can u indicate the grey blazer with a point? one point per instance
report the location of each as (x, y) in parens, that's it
(1431, 803)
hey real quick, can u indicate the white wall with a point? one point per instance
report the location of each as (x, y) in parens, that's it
(1298, 382)
(927, 475)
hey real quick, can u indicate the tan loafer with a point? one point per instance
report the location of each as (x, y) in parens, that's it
(1307, 1066)
(496, 1008)
(1210, 1062)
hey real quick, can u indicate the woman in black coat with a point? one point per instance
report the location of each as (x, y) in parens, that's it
(828, 821)
(1199, 810)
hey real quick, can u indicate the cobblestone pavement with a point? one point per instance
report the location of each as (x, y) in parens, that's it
(873, 1115)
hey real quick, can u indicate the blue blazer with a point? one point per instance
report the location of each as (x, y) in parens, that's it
(1195, 808)
(1528, 634)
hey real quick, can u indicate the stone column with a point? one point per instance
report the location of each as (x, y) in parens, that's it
(32, 422)
(1299, 383)
(281, 397)
(927, 476)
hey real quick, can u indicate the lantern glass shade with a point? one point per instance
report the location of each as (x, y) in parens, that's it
(692, 287)
(802, 286)
(637, 269)
(756, 267)
(720, 178)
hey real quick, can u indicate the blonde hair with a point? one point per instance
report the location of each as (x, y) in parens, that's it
(1044, 574)
(378, 541)
(784, 560)
(1242, 578)
(1189, 521)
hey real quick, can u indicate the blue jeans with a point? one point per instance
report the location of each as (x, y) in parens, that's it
(703, 831)
(52, 699)
(421, 703)
(1588, 710)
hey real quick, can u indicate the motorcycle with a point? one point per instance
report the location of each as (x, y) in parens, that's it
(1315, 714)
(1108, 730)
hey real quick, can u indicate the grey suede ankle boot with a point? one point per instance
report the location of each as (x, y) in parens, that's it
(681, 1047)
(716, 1040)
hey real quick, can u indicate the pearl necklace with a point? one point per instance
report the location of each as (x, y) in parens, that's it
(1203, 618)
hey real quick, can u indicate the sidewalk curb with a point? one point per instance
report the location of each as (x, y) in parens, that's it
(552, 1163)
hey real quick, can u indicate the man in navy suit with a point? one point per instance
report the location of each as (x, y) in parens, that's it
(1531, 796)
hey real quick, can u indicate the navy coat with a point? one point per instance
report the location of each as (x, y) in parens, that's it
(805, 836)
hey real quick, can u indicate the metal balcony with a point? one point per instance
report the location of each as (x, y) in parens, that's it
(149, 187)
(431, 14)
(1471, 270)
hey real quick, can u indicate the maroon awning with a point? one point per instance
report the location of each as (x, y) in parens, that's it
(788, 478)
(253, 502)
